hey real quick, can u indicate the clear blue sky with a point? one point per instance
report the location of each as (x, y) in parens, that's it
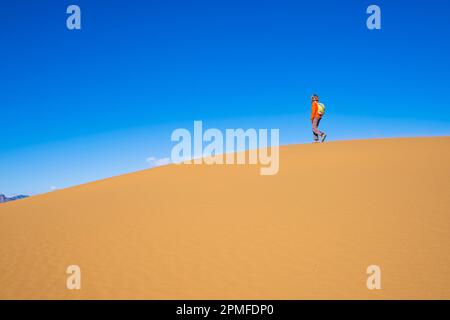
(78, 106)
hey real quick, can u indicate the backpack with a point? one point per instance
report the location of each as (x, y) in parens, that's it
(320, 108)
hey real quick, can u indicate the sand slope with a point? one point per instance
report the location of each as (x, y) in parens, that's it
(188, 232)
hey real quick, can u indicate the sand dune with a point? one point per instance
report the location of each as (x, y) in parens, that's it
(219, 232)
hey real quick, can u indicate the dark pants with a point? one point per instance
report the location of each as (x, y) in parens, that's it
(315, 129)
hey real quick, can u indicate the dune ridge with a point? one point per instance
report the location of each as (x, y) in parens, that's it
(226, 232)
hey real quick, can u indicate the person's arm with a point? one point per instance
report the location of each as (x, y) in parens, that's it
(313, 110)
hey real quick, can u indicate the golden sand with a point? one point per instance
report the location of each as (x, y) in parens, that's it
(226, 232)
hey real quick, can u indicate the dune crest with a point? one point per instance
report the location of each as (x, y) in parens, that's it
(226, 232)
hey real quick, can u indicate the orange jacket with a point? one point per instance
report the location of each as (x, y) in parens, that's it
(314, 108)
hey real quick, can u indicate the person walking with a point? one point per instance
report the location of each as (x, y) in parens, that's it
(317, 112)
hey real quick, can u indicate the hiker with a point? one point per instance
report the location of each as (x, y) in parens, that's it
(317, 111)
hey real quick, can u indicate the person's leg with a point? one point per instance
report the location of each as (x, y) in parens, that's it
(315, 129)
(315, 137)
(322, 135)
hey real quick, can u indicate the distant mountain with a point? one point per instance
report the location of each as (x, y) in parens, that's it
(4, 198)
